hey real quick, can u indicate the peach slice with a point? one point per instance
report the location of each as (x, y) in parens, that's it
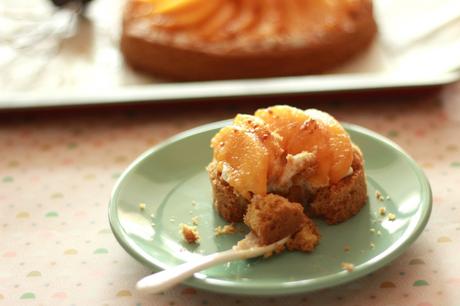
(339, 144)
(312, 131)
(284, 120)
(186, 13)
(243, 160)
(271, 141)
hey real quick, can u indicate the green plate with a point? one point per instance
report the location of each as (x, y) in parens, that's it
(172, 181)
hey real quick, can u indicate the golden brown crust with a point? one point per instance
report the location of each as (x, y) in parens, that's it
(273, 217)
(341, 201)
(327, 47)
(230, 205)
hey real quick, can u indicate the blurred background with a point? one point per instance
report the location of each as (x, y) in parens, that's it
(59, 162)
(71, 49)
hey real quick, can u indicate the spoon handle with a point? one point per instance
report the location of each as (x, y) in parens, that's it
(165, 279)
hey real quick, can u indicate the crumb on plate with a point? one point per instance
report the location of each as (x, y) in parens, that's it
(347, 248)
(225, 230)
(195, 220)
(391, 217)
(379, 196)
(189, 233)
(347, 266)
(382, 211)
(142, 206)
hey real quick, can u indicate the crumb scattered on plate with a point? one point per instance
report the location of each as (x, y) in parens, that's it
(382, 211)
(347, 248)
(372, 230)
(372, 245)
(379, 233)
(347, 266)
(379, 196)
(194, 203)
(172, 220)
(225, 230)
(189, 233)
(142, 206)
(195, 220)
(391, 217)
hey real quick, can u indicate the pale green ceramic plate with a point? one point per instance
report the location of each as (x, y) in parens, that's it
(172, 181)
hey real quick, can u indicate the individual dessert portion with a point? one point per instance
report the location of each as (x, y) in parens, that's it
(227, 39)
(269, 167)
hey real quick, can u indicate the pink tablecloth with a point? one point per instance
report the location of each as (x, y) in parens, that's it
(56, 174)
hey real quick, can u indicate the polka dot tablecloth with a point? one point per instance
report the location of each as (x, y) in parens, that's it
(57, 171)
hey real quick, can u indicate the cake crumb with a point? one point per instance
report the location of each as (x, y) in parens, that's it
(195, 220)
(152, 216)
(194, 203)
(225, 230)
(379, 196)
(189, 233)
(382, 211)
(348, 266)
(379, 233)
(372, 245)
(142, 206)
(387, 197)
(391, 217)
(172, 220)
(372, 230)
(347, 248)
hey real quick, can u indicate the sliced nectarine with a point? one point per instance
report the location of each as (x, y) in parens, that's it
(270, 140)
(243, 160)
(339, 144)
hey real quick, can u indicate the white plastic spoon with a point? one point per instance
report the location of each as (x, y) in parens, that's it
(246, 248)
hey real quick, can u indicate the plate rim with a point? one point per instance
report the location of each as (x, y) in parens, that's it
(302, 286)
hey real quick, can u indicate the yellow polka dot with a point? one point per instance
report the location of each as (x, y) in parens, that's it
(22, 215)
(13, 164)
(123, 293)
(444, 239)
(57, 195)
(70, 252)
(45, 147)
(387, 285)
(121, 159)
(89, 177)
(34, 274)
(427, 165)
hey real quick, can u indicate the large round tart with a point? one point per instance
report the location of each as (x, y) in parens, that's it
(229, 39)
